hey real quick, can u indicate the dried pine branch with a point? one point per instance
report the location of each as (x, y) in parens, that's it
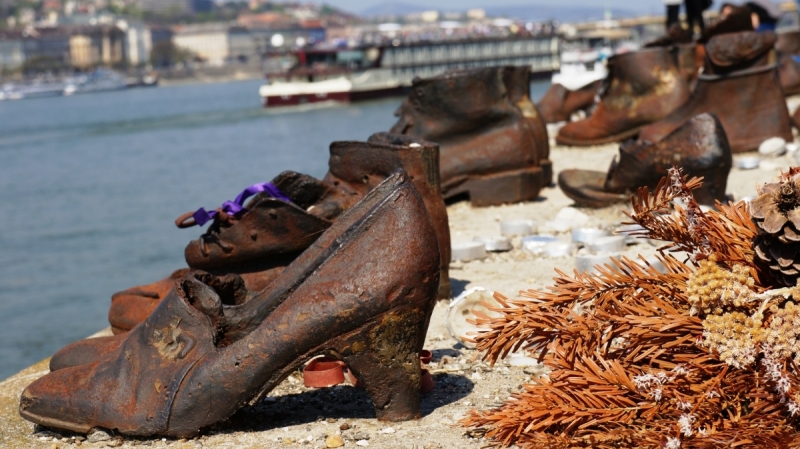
(629, 366)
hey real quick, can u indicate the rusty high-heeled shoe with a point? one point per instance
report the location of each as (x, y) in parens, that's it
(260, 242)
(363, 293)
(699, 147)
(488, 147)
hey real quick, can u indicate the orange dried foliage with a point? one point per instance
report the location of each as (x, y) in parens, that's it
(626, 366)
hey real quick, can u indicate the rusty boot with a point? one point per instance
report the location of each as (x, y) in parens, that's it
(699, 147)
(559, 103)
(363, 296)
(788, 46)
(518, 83)
(739, 85)
(488, 148)
(642, 87)
(270, 234)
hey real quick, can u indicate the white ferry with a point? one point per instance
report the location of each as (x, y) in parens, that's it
(360, 73)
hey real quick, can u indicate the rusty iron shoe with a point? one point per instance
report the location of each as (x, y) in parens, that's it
(739, 85)
(559, 103)
(363, 294)
(518, 83)
(641, 87)
(699, 147)
(259, 244)
(488, 147)
(789, 74)
(787, 46)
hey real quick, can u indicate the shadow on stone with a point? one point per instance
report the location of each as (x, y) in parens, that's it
(341, 402)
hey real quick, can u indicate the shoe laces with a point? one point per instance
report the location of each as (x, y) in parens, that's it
(227, 215)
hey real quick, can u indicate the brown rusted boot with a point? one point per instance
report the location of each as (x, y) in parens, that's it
(258, 244)
(518, 83)
(739, 85)
(362, 293)
(787, 46)
(488, 148)
(559, 103)
(699, 147)
(642, 87)
(682, 41)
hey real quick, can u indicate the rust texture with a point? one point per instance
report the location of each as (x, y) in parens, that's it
(272, 233)
(699, 147)
(363, 293)
(559, 103)
(641, 87)
(490, 151)
(740, 86)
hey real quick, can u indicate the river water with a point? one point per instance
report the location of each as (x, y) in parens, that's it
(90, 186)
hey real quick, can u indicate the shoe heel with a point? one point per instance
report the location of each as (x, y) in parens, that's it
(547, 172)
(384, 357)
(506, 187)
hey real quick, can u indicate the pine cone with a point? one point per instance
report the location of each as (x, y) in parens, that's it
(776, 213)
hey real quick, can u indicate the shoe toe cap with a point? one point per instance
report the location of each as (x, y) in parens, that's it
(60, 400)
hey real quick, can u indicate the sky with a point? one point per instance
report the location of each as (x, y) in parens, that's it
(359, 5)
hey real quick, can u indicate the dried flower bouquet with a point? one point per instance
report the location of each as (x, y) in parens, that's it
(705, 355)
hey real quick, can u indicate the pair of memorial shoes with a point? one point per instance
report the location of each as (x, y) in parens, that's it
(362, 293)
(258, 239)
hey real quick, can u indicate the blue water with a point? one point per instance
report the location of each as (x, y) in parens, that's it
(90, 186)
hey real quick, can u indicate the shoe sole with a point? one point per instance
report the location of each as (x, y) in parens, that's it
(501, 188)
(594, 142)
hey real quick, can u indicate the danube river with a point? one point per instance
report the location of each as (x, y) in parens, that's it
(91, 185)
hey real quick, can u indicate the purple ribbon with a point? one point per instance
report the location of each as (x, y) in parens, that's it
(236, 206)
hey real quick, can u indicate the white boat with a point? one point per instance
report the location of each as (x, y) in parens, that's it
(344, 74)
(99, 80)
(31, 89)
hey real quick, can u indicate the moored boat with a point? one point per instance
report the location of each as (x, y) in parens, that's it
(99, 80)
(367, 72)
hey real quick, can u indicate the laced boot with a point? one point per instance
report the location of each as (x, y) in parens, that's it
(518, 83)
(488, 148)
(258, 241)
(699, 148)
(641, 87)
(559, 103)
(739, 85)
(363, 293)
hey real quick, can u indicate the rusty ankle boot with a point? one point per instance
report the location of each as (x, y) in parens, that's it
(739, 85)
(642, 87)
(699, 147)
(488, 148)
(559, 103)
(518, 84)
(370, 285)
(269, 233)
(787, 46)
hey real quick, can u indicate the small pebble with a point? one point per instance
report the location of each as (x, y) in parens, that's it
(344, 426)
(362, 443)
(99, 435)
(388, 430)
(334, 441)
